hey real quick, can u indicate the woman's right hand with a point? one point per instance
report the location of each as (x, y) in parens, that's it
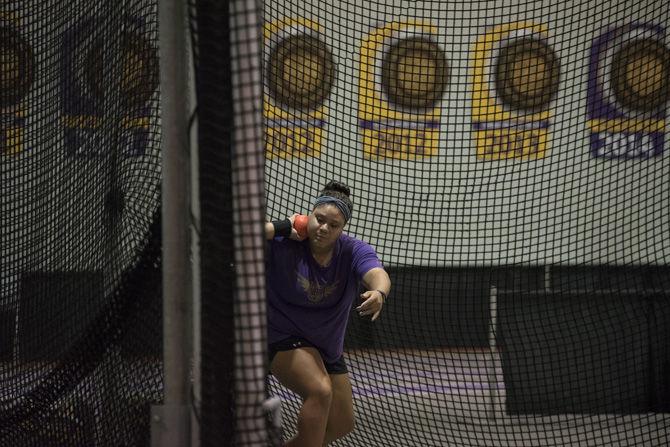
(294, 234)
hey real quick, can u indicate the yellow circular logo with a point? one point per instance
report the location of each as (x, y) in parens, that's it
(300, 72)
(138, 73)
(527, 74)
(641, 75)
(415, 73)
(17, 67)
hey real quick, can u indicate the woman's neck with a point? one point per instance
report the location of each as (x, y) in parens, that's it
(322, 255)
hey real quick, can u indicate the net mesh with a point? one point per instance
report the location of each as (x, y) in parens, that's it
(80, 283)
(226, 38)
(507, 161)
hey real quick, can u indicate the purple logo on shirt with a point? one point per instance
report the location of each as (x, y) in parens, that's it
(316, 292)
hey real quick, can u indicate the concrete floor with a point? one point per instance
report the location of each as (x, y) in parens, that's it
(446, 398)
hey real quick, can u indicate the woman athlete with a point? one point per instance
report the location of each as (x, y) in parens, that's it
(312, 285)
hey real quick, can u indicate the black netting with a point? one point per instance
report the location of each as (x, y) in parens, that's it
(81, 286)
(508, 161)
(226, 38)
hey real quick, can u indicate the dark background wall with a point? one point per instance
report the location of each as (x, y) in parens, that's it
(598, 341)
(595, 341)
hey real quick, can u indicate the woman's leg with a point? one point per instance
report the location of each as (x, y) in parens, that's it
(301, 370)
(341, 415)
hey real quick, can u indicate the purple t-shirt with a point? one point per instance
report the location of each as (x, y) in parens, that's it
(311, 301)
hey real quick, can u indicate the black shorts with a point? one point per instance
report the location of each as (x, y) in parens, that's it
(339, 366)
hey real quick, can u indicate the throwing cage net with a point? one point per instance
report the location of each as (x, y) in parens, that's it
(80, 308)
(508, 161)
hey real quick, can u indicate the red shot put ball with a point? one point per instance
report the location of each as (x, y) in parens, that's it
(300, 225)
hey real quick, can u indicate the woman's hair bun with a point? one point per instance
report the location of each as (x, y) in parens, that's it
(334, 185)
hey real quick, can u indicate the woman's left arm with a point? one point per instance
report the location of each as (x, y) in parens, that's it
(378, 285)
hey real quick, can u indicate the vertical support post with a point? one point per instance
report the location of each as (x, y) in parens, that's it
(217, 277)
(196, 396)
(248, 169)
(493, 350)
(171, 421)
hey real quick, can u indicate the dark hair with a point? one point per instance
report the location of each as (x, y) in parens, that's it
(338, 190)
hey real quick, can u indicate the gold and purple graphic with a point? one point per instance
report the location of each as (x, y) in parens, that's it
(106, 87)
(404, 73)
(17, 71)
(299, 76)
(516, 76)
(628, 89)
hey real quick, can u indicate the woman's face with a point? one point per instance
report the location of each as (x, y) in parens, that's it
(325, 225)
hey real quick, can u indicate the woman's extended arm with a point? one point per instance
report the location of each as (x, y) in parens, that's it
(378, 285)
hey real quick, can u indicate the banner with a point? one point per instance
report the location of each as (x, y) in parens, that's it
(17, 66)
(628, 88)
(98, 85)
(515, 78)
(404, 73)
(299, 76)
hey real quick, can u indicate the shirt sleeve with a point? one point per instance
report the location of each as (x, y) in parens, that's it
(271, 247)
(364, 259)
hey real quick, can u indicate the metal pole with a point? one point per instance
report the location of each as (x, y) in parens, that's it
(171, 421)
(249, 206)
(493, 349)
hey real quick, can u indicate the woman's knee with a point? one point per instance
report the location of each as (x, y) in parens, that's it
(302, 371)
(320, 390)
